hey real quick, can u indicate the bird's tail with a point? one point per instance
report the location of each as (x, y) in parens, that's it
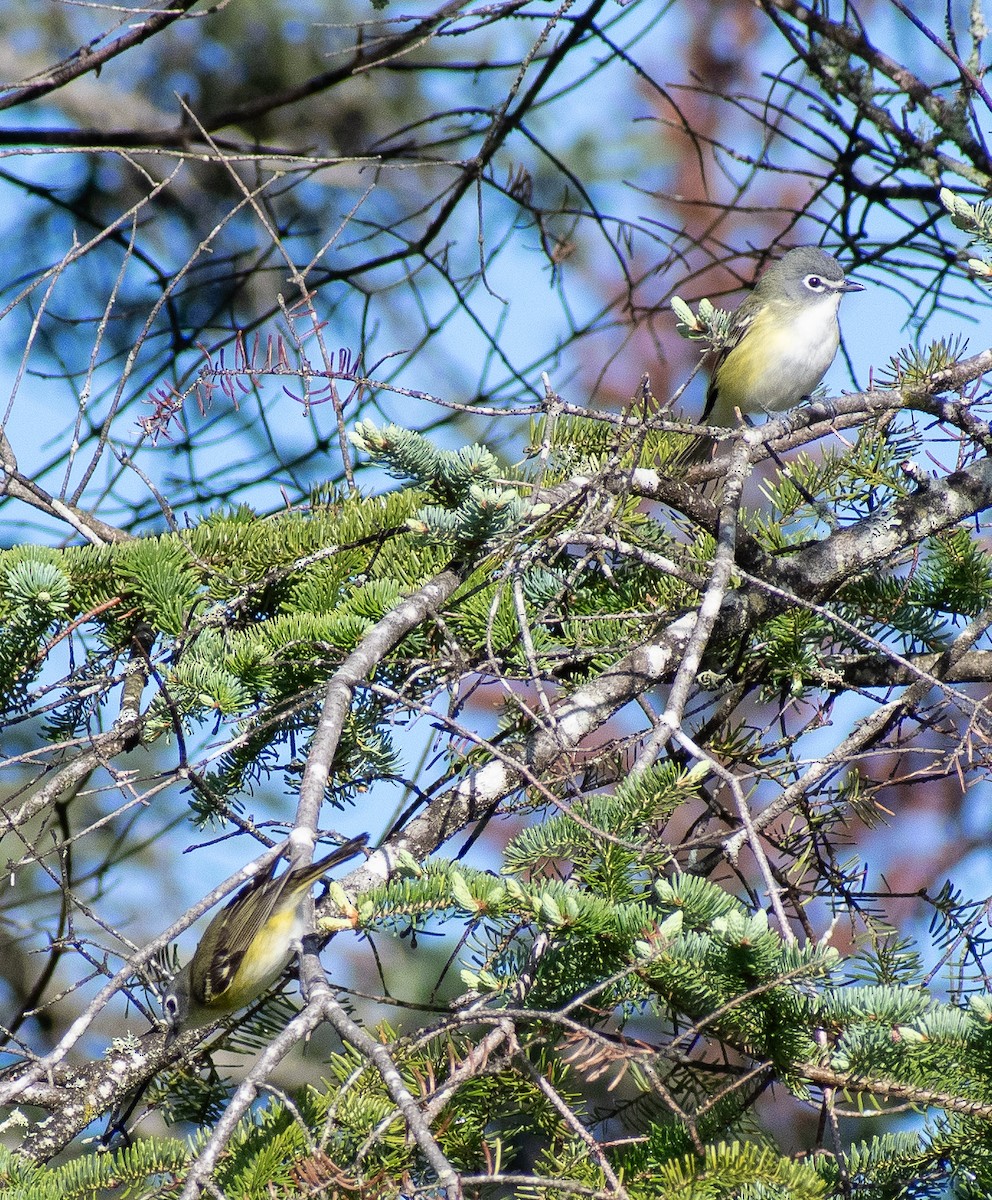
(348, 850)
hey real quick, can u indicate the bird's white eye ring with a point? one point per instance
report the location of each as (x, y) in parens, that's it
(814, 283)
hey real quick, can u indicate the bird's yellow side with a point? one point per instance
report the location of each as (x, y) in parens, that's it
(270, 951)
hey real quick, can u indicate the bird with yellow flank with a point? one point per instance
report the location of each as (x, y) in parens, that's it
(781, 340)
(247, 944)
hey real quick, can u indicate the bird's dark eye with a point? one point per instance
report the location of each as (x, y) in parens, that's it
(814, 283)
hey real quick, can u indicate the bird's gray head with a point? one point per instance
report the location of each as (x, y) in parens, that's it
(806, 275)
(175, 1002)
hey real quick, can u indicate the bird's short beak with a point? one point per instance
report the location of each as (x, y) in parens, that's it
(850, 286)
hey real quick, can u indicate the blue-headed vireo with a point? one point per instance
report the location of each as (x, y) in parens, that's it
(247, 944)
(782, 339)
